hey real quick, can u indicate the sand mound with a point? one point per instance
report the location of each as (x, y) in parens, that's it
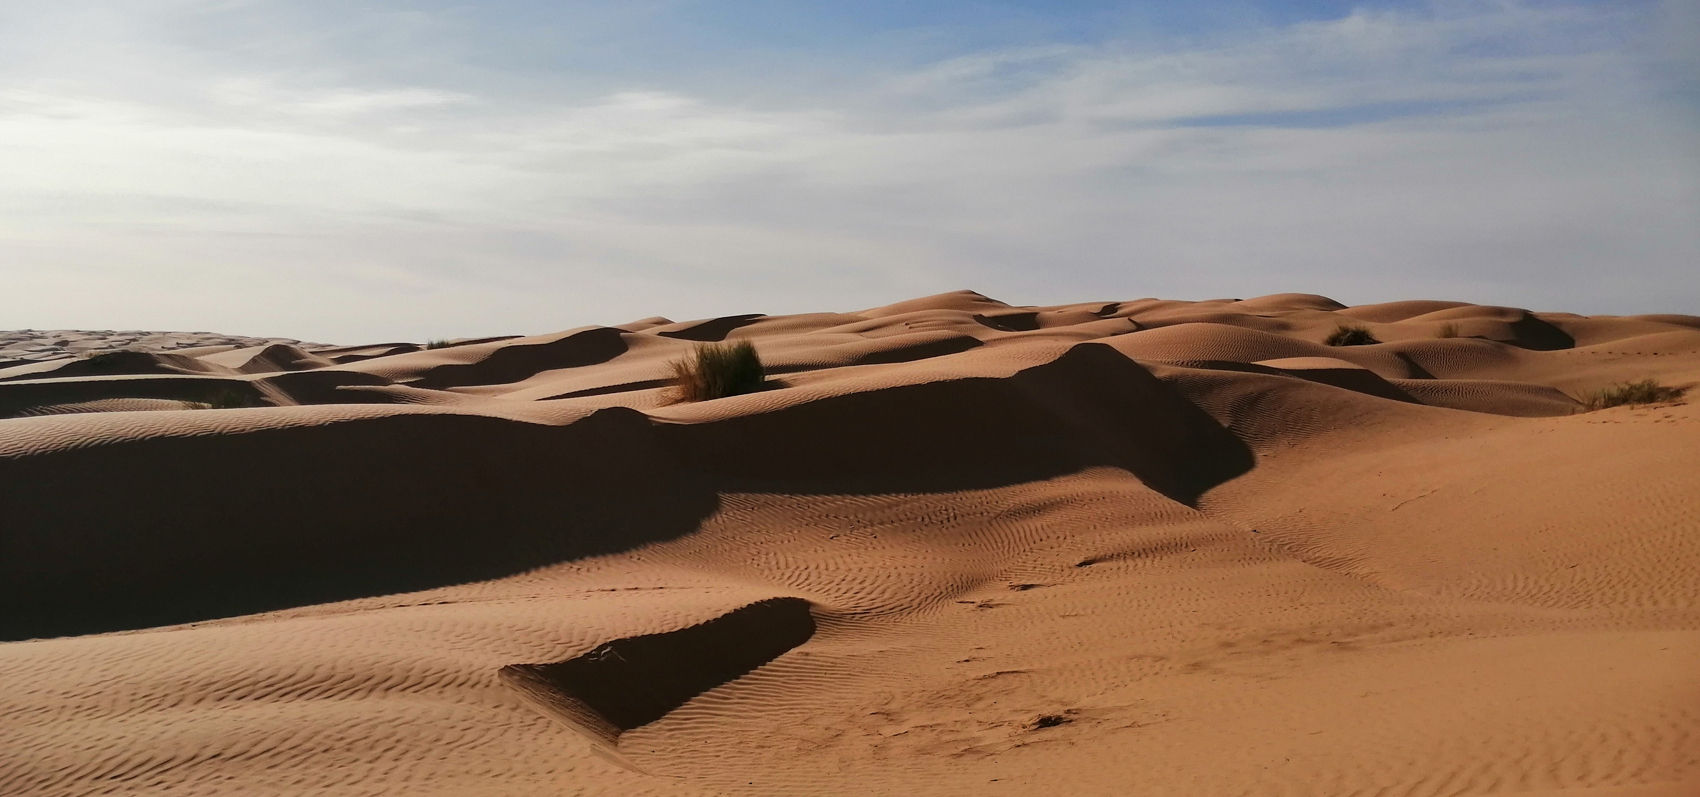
(958, 301)
(499, 363)
(957, 547)
(33, 345)
(268, 359)
(114, 363)
(1288, 302)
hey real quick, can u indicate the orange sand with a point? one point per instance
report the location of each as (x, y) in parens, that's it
(1149, 547)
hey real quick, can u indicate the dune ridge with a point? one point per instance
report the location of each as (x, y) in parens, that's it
(958, 547)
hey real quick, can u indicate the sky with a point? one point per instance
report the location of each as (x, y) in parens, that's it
(363, 170)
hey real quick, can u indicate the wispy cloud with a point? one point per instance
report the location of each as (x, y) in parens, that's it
(1532, 153)
(253, 94)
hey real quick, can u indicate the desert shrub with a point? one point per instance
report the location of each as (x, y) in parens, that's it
(229, 398)
(716, 370)
(437, 344)
(1350, 336)
(1646, 391)
(1447, 330)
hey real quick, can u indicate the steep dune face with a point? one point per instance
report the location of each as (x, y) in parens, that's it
(957, 546)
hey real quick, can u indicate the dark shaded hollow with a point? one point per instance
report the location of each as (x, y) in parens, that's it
(1026, 321)
(919, 351)
(713, 330)
(1413, 369)
(1532, 333)
(122, 362)
(1356, 380)
(1090, 407)
(631, 682)
(517, 362)
(18, 397)
(343, 355)
(310, 515)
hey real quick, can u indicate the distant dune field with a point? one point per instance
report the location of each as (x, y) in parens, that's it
(954, 547)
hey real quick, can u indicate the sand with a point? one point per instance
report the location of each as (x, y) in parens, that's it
(35, 345)
(958, 547)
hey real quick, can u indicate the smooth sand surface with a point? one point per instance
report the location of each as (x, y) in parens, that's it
(958, 547)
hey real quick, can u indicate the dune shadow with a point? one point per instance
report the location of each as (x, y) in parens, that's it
(346, 355)
(1357, 380)
(18, 398)
(923, 350)
(518, 361)
(1025, 321)
(1530, 332)
(123, 362)
(137, 533)
(713, 330)
(154, 532)
(1090, 407)
(630, 682)
(1413, 369)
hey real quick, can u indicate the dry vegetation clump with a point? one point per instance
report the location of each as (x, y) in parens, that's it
(1350, 336)
(437, 344)
(1048, 721)
(1646, 391)
(717, 370)
(227, 398)
(1447, 330)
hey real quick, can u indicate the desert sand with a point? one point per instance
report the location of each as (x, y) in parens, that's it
(958, 547)
(34, 345)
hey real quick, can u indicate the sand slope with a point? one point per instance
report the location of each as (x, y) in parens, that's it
(960, 547)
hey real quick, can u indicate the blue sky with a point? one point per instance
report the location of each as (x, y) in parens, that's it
(348, 171)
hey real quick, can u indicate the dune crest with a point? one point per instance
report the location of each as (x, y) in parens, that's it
(955, 546)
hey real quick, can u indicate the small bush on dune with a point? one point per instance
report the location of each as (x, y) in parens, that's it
(1351, 336)
(1447, 330)
(230, 399)
(1646, 391)
(717, 370)
(437, 344)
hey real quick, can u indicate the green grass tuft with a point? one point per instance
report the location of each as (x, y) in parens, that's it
(1646, 391)
(1351, 336)
(717, 370)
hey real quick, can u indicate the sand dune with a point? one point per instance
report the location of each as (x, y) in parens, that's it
(957, 547)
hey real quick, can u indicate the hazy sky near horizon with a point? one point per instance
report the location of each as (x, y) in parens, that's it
(350, 171)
